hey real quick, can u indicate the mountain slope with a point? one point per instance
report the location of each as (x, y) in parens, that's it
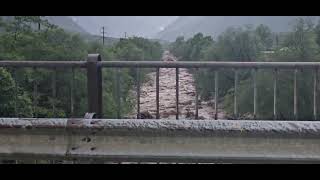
(63, 22)
(213, 25)
(66, 23)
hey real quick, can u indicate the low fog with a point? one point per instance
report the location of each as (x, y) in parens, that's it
(117, 26)
(170, 27)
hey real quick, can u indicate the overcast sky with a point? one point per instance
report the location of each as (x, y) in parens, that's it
(116, 26)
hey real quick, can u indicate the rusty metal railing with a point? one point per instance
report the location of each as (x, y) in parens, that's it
(94, 80)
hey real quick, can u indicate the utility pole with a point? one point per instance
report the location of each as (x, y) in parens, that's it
(125, 35)
(277, 41)
(103, 32)
(39, 23)
(143, 49)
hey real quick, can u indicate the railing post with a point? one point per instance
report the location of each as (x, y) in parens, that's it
(94, 84)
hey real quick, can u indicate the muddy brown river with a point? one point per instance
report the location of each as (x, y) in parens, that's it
(167, 95)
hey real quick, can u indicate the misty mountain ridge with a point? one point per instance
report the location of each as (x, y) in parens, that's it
(66, 23)
(85, 26)
(118, 26)
(188, 26)
(165, 28)
(63, 22)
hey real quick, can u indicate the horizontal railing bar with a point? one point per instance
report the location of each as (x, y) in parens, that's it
(44, 64)
(196, 64)
(162, 64)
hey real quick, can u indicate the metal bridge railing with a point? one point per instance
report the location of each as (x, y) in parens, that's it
(190, 141)
(93, 65)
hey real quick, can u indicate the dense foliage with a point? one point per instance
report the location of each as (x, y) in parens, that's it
(247, 43)
(32, 38)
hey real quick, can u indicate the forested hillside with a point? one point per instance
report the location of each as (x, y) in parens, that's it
(21, 41)
(63, 22)
(301, 43)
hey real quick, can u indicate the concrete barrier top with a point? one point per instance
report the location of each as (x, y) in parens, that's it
(167, 127)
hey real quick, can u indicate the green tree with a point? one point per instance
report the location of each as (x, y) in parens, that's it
(22, 40)
(301, 40)
(264, 36)
(13, 100)
(300, 45)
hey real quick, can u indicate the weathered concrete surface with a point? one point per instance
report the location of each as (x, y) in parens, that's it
(160, 140)
(167, 127)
